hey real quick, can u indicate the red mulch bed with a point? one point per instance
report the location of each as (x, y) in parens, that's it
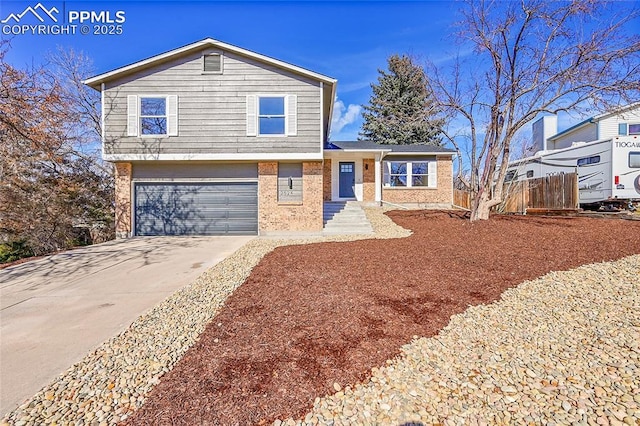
(312, 315)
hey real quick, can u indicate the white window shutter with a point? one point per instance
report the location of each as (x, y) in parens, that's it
(172, 115)
(252, 116)
(132, 115)
(291, 123)
(433, 174)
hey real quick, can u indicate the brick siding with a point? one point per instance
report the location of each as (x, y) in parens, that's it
(123, 199)
(274, 216)
(368, 180)
(326, 180)
(441, 196)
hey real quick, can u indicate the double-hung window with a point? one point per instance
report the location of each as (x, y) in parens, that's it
(153, 115)
(271, 115)
(397, 174)
(420, 174)
(409, 174)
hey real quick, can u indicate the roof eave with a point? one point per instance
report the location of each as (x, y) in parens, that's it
(617, 111)
(423, 152)
(363, 150)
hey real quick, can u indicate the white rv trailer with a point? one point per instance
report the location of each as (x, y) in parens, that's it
(608, 170)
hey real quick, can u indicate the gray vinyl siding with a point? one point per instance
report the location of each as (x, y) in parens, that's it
(193, 170)
(212, 108)
(585, 134)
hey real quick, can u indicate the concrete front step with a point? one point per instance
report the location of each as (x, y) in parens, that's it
(338, 224)
(350, 221)
(353, 217)
(345, 211)
(349, 216)
(345, 218)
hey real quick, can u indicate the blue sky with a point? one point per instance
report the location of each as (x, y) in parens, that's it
(345, 40)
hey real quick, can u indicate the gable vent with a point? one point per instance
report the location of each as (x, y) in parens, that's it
(213, 63)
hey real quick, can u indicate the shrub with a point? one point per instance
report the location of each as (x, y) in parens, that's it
(14, 250)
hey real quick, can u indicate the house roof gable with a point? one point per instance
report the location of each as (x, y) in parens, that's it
(96, 81)
(595, 119)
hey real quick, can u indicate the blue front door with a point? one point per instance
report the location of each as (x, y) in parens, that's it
(347, 179)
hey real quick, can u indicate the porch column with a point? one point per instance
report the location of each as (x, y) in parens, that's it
(378, 178)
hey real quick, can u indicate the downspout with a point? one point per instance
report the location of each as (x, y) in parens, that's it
(102, 118)
(382, 154)
(322, 138)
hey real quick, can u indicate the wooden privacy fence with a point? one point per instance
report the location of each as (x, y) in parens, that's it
(462, 199)
(557, 192)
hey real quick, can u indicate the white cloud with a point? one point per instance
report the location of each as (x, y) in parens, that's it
(343, 116)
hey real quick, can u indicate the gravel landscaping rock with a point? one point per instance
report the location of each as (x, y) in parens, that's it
(312, 316)
(561, 349)
(112, 381)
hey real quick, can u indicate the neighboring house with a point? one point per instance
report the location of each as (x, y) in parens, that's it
(603, 150)
(624, 121)
(213, 139)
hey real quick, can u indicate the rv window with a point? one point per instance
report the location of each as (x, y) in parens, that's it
(634, 129)
(634, 160)
(510, 176)
(529, 173)
(588, 160)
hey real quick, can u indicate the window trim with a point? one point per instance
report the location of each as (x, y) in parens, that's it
(221, 55)
(431, 174)
(284, 116)
(420, 174)
(387, 182)
(629, 159)
(140, 116)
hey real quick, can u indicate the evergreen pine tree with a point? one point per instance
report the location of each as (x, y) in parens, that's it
(401, 109)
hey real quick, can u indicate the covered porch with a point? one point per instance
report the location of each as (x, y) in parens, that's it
(352, 176)
(370, 173)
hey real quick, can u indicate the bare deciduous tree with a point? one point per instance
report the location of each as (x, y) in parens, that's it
(531, 57)
(51, 184)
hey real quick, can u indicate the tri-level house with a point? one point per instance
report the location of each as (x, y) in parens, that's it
(210, 138)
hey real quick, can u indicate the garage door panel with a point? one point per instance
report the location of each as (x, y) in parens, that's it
(196, 209)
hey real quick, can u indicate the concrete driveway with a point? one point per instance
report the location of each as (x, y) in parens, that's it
(54, 310)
